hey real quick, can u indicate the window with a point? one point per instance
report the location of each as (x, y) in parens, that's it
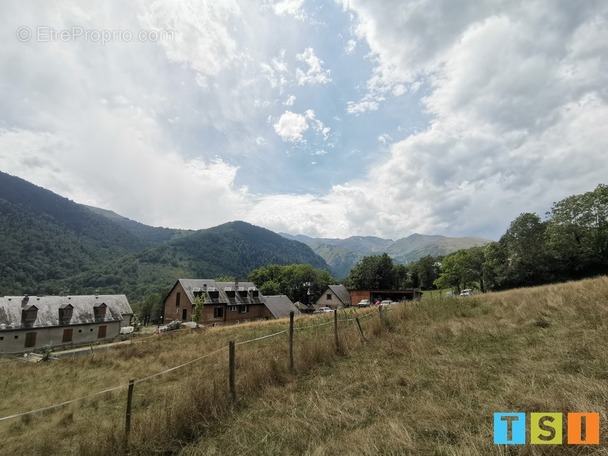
(67, 335)
(101, 332)
(218, 312)
(65, 314)
(28, 316)
(100, 311)
(232, 308)
(184, 314)
(1, 337)
(244, 309)
(178, 296)
(328, 296)
(30, 339)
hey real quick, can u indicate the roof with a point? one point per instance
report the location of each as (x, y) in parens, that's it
(342, 293)
(48, 307)
(245, 293)
(280, 306)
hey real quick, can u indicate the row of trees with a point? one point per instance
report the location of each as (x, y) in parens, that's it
(379, 272)
(571, 243)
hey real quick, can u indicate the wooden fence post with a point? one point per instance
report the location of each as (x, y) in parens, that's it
(380, 313)
(360, 330)
(128, 414)
(231, 369)
(291, 364)
(336, 330)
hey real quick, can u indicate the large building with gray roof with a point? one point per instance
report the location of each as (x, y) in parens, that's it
(224, 302)
(29, 323)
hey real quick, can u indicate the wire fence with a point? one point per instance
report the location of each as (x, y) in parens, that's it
(337, 321)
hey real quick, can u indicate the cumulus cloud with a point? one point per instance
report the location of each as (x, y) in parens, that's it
(291, 126)
(315, 74)
(203, 40)
(287, 8)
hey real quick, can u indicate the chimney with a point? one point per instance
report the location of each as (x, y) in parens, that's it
(25, 300)
(236, 283)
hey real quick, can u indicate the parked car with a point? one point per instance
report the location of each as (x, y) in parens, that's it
(386, 302)
(323, 310)
(466, 292)
(364, 303)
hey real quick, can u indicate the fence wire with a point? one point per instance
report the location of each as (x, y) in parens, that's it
(141, 380)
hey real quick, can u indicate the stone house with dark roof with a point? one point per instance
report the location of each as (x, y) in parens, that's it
(335, 296)
(28, 323)
(224, 302)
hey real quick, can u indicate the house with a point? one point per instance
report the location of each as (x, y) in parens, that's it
(224, 302)
(334, 297)
(409, 294)
(28, 323)
(280, 306)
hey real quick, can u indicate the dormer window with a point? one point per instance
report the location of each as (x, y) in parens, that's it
(100, 311)
(28, 315)
(213, 293)
(65, 314)
(229, 292)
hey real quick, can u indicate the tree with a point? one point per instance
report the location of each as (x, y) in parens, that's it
(372, 273)
(463, 269)
(426, 271)
(199, 302)
(149, 308)
(495, 267)
(577, 233)
(527, 259)
(300, 282)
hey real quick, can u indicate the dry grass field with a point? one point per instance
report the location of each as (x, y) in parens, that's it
(427, 381)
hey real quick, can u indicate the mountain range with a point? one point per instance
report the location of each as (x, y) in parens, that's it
(50, 245)
(342, 254)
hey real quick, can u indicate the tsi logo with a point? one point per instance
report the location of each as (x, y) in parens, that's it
(546, 428)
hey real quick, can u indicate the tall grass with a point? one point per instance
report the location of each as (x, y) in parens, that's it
(427, 382)
(169, 410)
(431, 383)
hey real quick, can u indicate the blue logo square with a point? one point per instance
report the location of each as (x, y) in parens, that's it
(509, 428)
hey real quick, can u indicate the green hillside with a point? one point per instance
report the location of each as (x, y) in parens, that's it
(232, 249)
(416, 246)
(150, 235)
(45, 237)
(50, 245)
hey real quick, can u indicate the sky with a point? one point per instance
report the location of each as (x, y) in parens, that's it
(317, 117)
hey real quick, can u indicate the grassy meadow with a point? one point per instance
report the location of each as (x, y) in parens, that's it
(426, 381)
